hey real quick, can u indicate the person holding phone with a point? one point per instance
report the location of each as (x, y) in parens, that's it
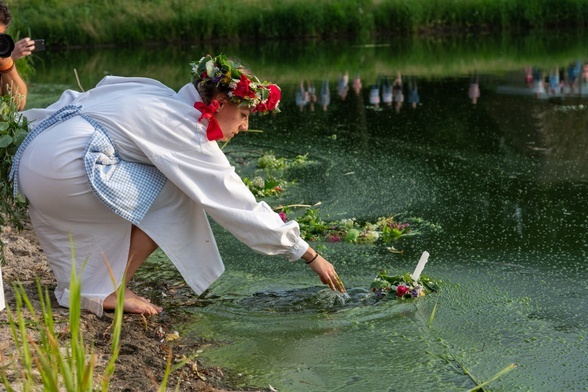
(10, 79)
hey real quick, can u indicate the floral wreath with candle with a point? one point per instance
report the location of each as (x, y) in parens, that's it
(403, 286)
(244, 89)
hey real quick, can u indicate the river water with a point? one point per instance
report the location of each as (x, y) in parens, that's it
(493, 152)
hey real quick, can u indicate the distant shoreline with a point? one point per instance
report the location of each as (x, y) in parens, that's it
(81, 23)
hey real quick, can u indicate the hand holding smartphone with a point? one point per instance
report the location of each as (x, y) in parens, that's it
(39, 45)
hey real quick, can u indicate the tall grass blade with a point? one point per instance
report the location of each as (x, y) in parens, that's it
(432, 317)
(116, 324)
(25, 351)
(42, 361)
(88, 379)
(496, 376)
(46, 369)
(163, 385)
(75, 314)
(16, 326)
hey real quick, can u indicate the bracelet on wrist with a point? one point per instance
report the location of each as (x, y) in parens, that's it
(9, 68)
(313, 259)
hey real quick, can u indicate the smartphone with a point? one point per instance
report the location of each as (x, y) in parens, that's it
(39, 45)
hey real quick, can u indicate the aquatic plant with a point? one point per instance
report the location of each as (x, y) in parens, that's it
(268, 180)
(269, 161)
(458, 366)
(265, 187)
(384, 231)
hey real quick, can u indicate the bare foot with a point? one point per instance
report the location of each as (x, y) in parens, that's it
(132, 304)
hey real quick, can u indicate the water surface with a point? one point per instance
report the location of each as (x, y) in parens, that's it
(504, 177)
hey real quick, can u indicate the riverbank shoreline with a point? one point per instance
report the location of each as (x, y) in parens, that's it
(146, 342)
(74, 23)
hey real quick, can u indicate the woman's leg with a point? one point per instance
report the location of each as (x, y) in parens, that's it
(140, 248)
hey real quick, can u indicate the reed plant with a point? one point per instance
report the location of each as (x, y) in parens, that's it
(62, 361)
(128, 22)
(44, 356)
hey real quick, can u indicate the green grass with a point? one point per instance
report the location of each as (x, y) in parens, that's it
(43, 357)
(13, 130)
(129, 22)
(60, 361)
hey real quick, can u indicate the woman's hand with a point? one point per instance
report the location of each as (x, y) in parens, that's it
(324, 270)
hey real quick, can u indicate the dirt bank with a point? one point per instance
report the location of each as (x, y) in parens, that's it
(145, 342)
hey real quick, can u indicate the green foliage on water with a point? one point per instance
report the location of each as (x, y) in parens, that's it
(100, 22)
(267, 175)
(384, 230)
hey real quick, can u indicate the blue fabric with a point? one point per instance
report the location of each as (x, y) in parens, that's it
(127, 188)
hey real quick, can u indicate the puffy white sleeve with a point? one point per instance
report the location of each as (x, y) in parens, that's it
(165, 129)
(206, 176)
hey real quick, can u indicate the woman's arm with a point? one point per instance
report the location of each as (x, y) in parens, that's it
(12, 83)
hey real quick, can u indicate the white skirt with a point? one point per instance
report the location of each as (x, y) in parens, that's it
(73, 225)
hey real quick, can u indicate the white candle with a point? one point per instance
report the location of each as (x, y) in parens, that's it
(420, 266)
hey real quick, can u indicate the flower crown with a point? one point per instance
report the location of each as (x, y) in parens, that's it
(260, 97)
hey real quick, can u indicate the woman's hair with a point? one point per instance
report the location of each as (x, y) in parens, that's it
(5, 15)
(208, 89)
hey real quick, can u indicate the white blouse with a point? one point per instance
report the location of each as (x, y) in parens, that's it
(151, 124)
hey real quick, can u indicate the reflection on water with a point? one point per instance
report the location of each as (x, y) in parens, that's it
(487, 138)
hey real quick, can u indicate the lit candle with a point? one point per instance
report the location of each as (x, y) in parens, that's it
(420, 266)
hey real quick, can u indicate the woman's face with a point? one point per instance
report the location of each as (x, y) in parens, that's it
(231, 118)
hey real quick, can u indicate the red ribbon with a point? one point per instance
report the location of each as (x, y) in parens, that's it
(213, 130)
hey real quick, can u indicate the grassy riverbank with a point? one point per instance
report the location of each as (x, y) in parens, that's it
(126, 22)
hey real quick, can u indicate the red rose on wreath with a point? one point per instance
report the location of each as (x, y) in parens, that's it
(402, 290)
(243, 90)
(274, 96)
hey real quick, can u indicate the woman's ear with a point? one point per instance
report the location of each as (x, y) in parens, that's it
(222, 100)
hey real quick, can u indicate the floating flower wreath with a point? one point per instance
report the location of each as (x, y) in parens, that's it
(260, 97)
(403, 286)
(385, 230)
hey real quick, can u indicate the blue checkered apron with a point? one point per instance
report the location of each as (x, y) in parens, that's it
(127, 188)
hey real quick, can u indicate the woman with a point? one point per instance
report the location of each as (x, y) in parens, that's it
(131, 165)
